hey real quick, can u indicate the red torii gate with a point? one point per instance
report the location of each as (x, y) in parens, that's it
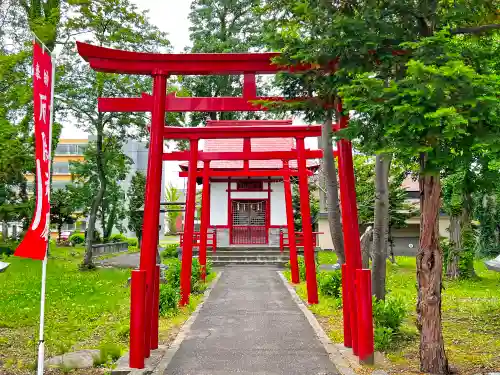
(226, 132)
(144, 311)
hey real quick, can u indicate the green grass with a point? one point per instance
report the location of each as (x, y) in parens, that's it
(169, 240)
(83, 309)
(471, 324)
(327, 257)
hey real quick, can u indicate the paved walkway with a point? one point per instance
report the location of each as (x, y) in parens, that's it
(250, 325)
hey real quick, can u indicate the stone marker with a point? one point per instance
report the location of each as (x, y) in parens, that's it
(493, 264)
(329, 267)
(4, 266)
(76, 360)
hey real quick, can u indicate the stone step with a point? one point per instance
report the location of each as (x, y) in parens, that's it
(247, 252)
(234, 262)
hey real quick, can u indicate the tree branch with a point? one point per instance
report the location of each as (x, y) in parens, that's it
(475, 29)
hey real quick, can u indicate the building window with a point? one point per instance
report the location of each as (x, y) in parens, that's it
(61, 167)
(250, 185)
(70, 149)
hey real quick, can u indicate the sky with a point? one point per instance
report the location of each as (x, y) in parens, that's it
(170, 16)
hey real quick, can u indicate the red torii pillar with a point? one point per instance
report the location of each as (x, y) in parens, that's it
(358, 330)
(187, 249)
(205, 219)
(305, 209)
(149, 246)
(294, 267)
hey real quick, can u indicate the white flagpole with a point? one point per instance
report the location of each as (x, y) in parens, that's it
(41, 342)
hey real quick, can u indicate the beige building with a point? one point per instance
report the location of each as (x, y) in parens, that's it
(405, 239)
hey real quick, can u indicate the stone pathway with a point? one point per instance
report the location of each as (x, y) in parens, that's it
(250, 325)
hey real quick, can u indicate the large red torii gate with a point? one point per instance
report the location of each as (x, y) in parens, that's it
(144, 313)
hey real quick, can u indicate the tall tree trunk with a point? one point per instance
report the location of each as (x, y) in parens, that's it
(59, 232)
(111, 221)
(381, 224)
(429, 276)
(96, 202)
(332, 192)
(366, 244)
(5, 231)
(452, 270)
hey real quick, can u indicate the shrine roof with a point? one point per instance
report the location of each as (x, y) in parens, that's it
(256, 144)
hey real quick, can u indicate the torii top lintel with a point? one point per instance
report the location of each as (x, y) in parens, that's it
(110, 60)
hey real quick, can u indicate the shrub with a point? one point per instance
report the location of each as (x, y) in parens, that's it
(195, 272)
(389, 313)
(132, 242)
(330, 283)
(170, 251)
(76, 239)
(109, 351)
(169, 299)
(302, 267)
(209, 269)
(382, 337)
(7, 248)
(117, 238)
(173, 274)
(97, 236)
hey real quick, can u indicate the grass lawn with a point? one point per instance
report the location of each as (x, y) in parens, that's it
(471, 318)
(83, 309)
(169, 240)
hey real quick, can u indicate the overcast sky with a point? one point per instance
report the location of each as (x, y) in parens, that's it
(171, 16)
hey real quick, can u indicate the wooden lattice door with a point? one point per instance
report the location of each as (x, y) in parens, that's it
(249, 222)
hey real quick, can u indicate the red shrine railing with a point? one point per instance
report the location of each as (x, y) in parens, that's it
(211, 239)
(299, 239)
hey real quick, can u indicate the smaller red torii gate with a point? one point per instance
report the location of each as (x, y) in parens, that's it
(206, 173)
(358, 328)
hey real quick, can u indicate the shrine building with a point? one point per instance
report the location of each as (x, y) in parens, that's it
(248, 210)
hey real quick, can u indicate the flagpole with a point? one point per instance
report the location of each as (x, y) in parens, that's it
(41, 342)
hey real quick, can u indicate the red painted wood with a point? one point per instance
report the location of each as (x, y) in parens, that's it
(242, 173)
(118, 61)
(249, 86)
(215, 132)
(253, 155)
(152, 201)
(137, 319)
(365, 316)
(294, 266)
(353, 247)
(187, 250)
(205, 219)
(346, 312)
(186, 104)
(299, 239)
(305, 210)
(249, 122)
(156, 310)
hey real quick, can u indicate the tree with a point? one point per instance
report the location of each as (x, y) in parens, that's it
(43, 18)
(440, 111)
(87, 180)
(221, 26)
(172, 194)
(62, 209)
(136, 193)
(365, 37)
(115, 24)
